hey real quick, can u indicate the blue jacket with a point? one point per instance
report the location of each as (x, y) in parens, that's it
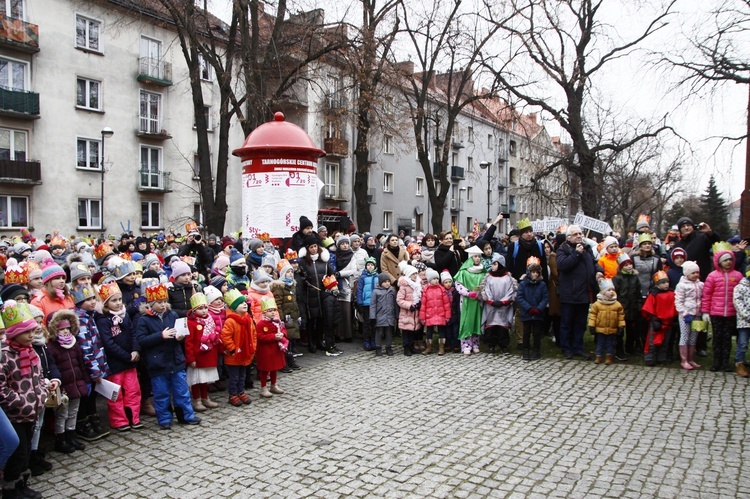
(367, 283)
(119, 341)
(532, 294)
(162, 356)
(577, 274)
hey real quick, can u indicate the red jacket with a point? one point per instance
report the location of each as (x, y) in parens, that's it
(436, 306)
(269, 356)
(204, 341)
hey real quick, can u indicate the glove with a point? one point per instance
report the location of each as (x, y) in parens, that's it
(688, 319)
(656, 324)
(592, 330)
(418, 305)
(497, 304)
(473, 295)
(534, 311)
(412, 308)
(706, 318)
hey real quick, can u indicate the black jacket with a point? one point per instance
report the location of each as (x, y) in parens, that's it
(577, 273)
(698, 248)
(445, 259)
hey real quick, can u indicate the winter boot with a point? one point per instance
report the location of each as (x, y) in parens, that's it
(147, 407)
(41, 456)
(292, 362)
(35, 466)
(62, 444)
(441, 347)
(536, 354)
(389, 351)
(526, 354)
(265, 392)
(406, 339)
(276, 390)
(598, 359)
(70, 436)
(378, 351)
(97, 427)
(608, 360)
(428, 348)
(742, 370)
(209, 404)
(86, 431)
(22, 489)
(685, 362)
(235, 400)
(198, 405)
(691, 357)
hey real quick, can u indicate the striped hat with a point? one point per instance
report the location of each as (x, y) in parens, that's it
(50, 270)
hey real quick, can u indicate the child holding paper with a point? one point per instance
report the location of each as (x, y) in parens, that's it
(272, 346)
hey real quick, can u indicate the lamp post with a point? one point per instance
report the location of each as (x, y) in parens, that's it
(485, 165)
(106, 132)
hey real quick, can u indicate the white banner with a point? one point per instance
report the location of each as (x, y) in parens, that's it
(273, 202)
(548, 225)
(593, 224)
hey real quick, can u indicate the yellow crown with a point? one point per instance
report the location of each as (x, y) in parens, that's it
(191, 227)
(532, 260)
(190, 260)
(16, 274)
(721, 246)
(330, 282)
(102, 250)
(264, 236)
(290, 254)
(197, 300)
(267, 303)
(157, 292)
(660, 276)
(644, 218)
(524, 223)
(108, 290)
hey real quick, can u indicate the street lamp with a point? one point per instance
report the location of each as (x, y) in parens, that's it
(106, 132)
(485, 165)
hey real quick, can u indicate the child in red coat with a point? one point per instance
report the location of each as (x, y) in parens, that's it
(435, 312)
(201, 352)
(272, 346)
(660, 311)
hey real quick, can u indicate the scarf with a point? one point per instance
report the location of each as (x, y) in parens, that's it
(394, 251)
(66, 340)
(288, 281)
(216, 310)
(283, 343)
(315, 257)
(256, 258)
(261, 288)
(210, 337)
(475, 269)
(605, 300)
(343, 258)
(39, 338)
(118, 317)
(416, 286)
(27, 357)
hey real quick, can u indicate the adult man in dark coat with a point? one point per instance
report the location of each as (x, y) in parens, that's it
(194, 247)
(578, 270)
(520, 251)
(697, 244)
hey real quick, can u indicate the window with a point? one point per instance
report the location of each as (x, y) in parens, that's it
(207, 71)
(13, 74)
(198, 213)
(420, 186)
(470, 194)
(12, 144)
(151, 174)
(512, 147)
(150, 112)
(331, 180)
(387, 220)
(437, 187)
(454, 159)
(387, 182)
(512, 204)
(512, 176)
(14, 211)
(89, 214)
(150, 215)
(88, 95)
(470, 133)
(207, 116)
(470, 164)
(197, 166)
(13, 8)
(88, 154)
(388, 106)
(418, 221)
(151, 63)
(388, 144)
(490, 141)
(469, 223)
(88, 33)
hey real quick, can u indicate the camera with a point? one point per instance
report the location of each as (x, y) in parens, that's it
(197, 237)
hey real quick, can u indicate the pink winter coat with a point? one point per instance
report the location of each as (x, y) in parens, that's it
(407, 319)
(436, 306)
(718, 290)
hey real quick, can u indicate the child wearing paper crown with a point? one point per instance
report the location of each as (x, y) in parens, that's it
(687, 301)
(717, 304)
(201, 352)
(606, 319)
(85, 301)
(532, 298)
(165, 360)
(23, 391)
(239, 340)
(272, 346)
(659, 311)
(123, 353)
(63, 329)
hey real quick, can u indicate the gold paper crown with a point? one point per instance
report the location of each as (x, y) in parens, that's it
(233, 298)
(16, 274)
(197, 300)
(57, 240)
(523, 224)
(281, 263)
(290, 254)
(81, 293)
(413, 248)
(190, 260)
(191, 227)
(102, 250)
(157, 292)
(108, 290)
(330, 282)
(721, 246)
(264, 236)
(644, 218)
(267, 303)
(532, 260)
(660, 276)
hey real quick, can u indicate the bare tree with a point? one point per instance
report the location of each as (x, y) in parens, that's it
(559, 47)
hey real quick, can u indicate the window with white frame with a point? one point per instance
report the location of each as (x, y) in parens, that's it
(470, 133)
(388, 144)
(150, 112)
(150, 173)
(206, 70)
(469, 223)
(150, 214)
(13, 74)
(88, 33)
(470, 164)
(151, 63)
(388, 105)
(470, 194)
(88, 94)
(197, 165)
(490, 141)
(418, 221)
(13, 144)
(420, 186)
(14, 211)
(387, 182)
(331, 175)
(88, 154)
(89, 214)
(207, 116)
(387, 220)
(198, 213)
(13, 8)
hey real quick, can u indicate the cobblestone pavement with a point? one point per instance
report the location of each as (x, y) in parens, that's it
(440, 427)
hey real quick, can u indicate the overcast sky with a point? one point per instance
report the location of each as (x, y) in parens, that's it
(642, 90)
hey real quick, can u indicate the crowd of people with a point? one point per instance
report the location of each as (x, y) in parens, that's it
(153, 325)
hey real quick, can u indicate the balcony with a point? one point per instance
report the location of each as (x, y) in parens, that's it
(150, 128)
(19, 104)
(457, 172)
(456, 144)
(155, 181)
(295, 95)
(154, 71)
(20, 172)
(19, 35)
(336, 147)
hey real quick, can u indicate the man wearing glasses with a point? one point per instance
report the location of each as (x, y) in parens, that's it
(577, 289)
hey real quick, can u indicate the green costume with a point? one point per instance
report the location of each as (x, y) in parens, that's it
(471, 310)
